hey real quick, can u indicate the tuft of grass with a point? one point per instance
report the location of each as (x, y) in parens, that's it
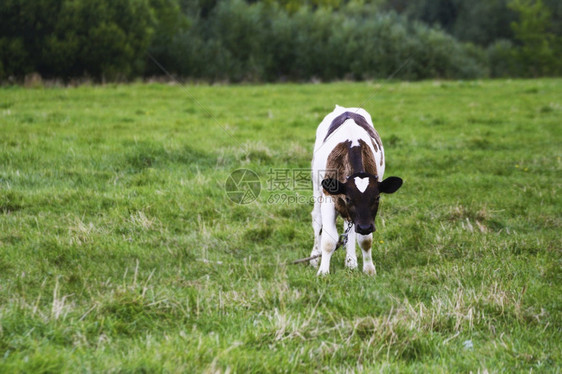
(121, 251)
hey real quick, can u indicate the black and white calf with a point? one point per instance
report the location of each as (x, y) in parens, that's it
(347, 171)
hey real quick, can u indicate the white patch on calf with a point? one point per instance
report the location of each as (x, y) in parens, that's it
(361, 183)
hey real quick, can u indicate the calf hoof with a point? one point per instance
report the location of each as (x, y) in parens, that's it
(351, 263)
(322, 272)
(369, 269)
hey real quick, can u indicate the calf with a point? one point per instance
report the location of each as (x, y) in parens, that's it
(347, 171)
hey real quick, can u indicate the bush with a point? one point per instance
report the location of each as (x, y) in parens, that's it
(501, 57)
(241, 41)
(237, 40)
(539, 50)
(14, 59)
(103, 39)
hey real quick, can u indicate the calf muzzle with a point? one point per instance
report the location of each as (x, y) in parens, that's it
(365, 229)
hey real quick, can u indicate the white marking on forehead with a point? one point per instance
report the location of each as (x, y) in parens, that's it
(361, 183)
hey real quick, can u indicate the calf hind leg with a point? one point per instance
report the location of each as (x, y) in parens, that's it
(329, 236)
(317, 227)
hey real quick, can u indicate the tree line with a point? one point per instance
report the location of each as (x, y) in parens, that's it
(273, 40)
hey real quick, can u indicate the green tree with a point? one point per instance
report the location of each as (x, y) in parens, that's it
(23, 25)
(539, 49)
(170, 21)
(483, 22)
(103, 39)
(293, 6)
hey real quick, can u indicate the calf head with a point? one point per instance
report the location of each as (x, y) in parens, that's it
(360, 195)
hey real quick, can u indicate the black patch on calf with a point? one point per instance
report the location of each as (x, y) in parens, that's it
(357, 118)
(356, 159)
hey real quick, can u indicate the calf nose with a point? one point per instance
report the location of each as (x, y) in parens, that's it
(365, 229)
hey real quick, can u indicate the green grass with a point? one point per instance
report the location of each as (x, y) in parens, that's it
(120, 251)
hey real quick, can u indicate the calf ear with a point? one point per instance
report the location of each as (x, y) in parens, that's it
(390, 185)
(333, 186)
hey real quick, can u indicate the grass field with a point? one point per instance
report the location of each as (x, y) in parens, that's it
(120, 250)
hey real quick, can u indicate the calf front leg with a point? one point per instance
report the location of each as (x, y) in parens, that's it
(365, 242)
(329, 237)
(350, 255)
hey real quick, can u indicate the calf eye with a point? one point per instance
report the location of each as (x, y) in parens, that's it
(347, 200)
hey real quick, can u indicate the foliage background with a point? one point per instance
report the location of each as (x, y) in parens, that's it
(277, 40)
